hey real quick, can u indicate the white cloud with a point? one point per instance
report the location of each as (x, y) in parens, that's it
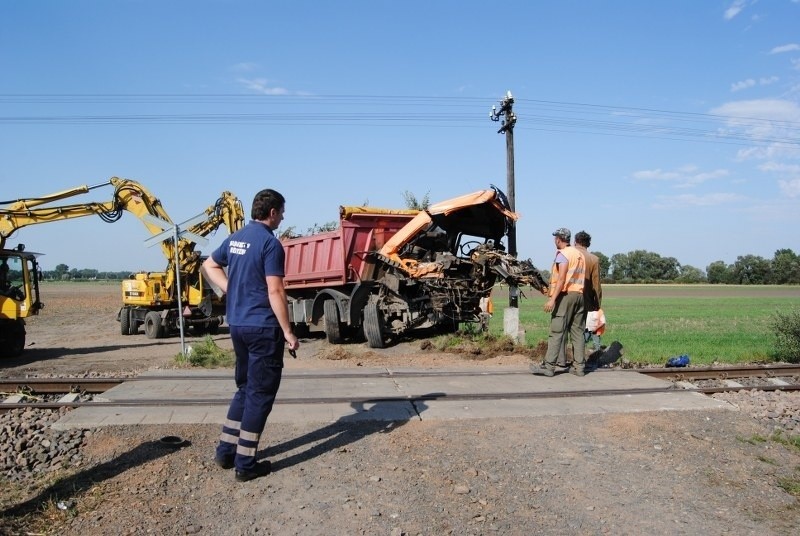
(776, 109)
(789, 183)
(244, 67)
(735, 8)
(766, 123)
(691, 200)
(784, 169)
(744, 84)
(791, 47)
(683, 177)
(790, 188)
(767, 152)
(261, 85)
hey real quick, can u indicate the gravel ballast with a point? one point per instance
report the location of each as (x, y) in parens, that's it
(680, 472)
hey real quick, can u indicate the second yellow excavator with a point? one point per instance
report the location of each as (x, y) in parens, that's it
(149, 298)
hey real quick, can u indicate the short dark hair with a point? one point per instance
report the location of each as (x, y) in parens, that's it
(583, 238)
(264, 201)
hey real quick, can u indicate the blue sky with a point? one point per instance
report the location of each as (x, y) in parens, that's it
(672, 127)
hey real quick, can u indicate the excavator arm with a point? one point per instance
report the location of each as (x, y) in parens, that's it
(227, 210)
(19, 272)
(128, 196)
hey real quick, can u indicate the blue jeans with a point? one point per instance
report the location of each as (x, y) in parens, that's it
(595, 338)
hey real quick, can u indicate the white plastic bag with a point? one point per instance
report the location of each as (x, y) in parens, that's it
(596, 321)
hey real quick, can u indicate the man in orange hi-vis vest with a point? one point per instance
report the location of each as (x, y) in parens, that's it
(565, 305)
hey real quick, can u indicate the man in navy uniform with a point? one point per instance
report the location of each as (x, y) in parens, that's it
(258, 315)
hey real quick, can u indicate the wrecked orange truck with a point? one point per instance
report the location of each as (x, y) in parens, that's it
(384, 273)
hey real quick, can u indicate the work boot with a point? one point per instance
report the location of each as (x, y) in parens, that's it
(577, 371)
(261, 469)
(225, 461)
(542, 371)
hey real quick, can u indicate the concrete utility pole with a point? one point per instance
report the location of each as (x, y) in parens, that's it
(511, 313)
(508, 122)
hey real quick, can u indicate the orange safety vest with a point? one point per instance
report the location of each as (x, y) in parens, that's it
(576, 267)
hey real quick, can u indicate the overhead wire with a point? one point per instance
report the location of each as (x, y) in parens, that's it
(381, 111)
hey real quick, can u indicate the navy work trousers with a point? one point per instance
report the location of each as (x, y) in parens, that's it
(259, 366)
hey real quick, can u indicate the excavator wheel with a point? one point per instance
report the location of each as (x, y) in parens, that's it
(152, 325)
(125, 322)
(199, 330)
(373, 325)
(133, 327)
(333, 326)
(14, 340)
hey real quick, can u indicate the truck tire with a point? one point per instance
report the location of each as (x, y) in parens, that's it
(373, 325)
(333, 326)
(152, 325)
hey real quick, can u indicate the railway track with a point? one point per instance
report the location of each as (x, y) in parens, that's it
(56, 393)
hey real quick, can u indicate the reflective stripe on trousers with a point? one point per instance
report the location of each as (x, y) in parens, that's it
(259, 367)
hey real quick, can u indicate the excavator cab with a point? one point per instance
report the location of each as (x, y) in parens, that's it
(19, 297)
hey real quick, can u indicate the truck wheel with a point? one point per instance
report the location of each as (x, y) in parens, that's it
(152, 325)
(373, 325)
(125, 321)
(333, 327)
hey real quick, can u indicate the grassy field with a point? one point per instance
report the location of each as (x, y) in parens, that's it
(710, 323)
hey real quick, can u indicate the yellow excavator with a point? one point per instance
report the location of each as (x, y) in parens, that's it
(19, 270)
(20, 296)
(149, 298)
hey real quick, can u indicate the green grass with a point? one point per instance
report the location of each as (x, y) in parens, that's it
(710, 323)
(792, 441)
(753, 440)
(206, 354)
(790, 485)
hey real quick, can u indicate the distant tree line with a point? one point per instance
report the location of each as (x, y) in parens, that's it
(63, 272)
(633, 267)
(647, 267)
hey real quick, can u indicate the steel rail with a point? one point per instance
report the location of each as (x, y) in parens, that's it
(95, 384)
(397, 399)
(98, 385)
(56, 385)
(712, 373)
(353, 399)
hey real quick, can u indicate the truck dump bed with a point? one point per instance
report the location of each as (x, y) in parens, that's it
(336, 258)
